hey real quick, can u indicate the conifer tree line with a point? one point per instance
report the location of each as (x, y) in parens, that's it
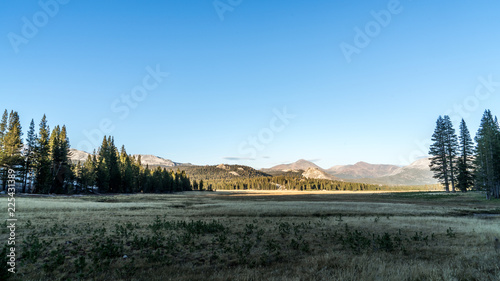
(293, 182)
(459, 163)
(42, 164)
(113, 171)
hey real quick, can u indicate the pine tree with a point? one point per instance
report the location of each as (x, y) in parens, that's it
(102, 179)
(3, 130)
(439, 159)
(137, 170)
(54, 145)
(114, 167)
(156, 180)
(13, 142)
(29, 154)
(126, 171)
(89, 173)
(59, 154)
(487, 156)
(167, 181)
(56, 160)
(77, 170)
(12, 145)
(108, 169)
(186, 183)
(465, 178)
(64, 143)
(3, 158)
(451, 146)
(86, 174)
(42, 156)
(177, 181)
(145, 182)
(170, 181)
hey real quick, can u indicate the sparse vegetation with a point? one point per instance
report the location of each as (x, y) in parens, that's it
(258, 235)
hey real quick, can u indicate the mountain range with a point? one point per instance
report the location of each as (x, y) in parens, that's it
(417, 173)
(295, 166)
(362, 170)
(146, 159)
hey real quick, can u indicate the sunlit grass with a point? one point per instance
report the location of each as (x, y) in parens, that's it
(441, 238)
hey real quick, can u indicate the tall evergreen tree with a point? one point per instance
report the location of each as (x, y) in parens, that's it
(114, 167)
(86, 174)
(3, 164)
(451, 147)
(102, 179)
(487, 160)
(90, 172)
(56, 160)
(108, 169)
(42, 156)
(137, 171)
(59, 153)
(145, 182)
(156, 180)
(186, 183)
(12, 145)
(439, 160)
(177, 181)
(66, 171)
(126, 171)
(77, 171)
(3, 130)
(13, 142)
(465, 177)
(29, 154)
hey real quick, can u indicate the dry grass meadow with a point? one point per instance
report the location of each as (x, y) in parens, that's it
(256, 235)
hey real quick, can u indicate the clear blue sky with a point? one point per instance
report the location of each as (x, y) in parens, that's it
(230, 70)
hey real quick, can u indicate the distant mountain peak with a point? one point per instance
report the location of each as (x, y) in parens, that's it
(315, 173)
(156, 161)
(362, 163)
(300, 164)
(362, 170)
(76, 155)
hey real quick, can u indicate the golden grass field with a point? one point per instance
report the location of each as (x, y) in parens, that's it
(256, 235)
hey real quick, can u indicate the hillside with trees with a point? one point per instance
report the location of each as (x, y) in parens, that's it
(43, 164)
(301, 183)
(222, 171)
